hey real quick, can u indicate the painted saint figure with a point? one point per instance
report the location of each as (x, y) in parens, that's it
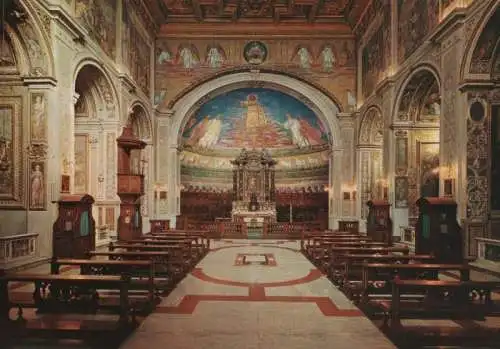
(212, 133)
(256, 115)
(38, 118)
(328, 59)
(37, 187)
(214, 57)
(305, 58)
(189, 59)
(293, 125)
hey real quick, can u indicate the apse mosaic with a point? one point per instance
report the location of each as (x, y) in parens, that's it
(255, 118)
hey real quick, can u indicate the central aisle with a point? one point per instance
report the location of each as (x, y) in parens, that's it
(248, 294)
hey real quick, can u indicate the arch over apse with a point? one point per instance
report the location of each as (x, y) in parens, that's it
(324, 107)
(235, 70)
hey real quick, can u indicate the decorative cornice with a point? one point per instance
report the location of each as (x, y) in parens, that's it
(476, 85)
(450, 24)
(39, 81)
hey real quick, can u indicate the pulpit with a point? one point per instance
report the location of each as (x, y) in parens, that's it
(254, 198)
(130, 184)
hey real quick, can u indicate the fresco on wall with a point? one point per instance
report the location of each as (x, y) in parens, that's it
(376, 54)
(136, 53)
(485, 47)
(99, 18)
(254, 118)
(183, 62)
(417, 18)
(428, 155)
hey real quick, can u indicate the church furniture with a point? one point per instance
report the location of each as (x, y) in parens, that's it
(450, 299)
(379, 223)
(353, 263)
(349, 226)
(254, 192)
(130, 184)
(333, 266)
(159, 225)
(376, 277)
(437, 230)
(74, 228)
(55, 296)
(142, 273)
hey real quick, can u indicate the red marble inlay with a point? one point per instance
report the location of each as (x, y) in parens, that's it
(314, 274)
(190, 302)
(241, 259)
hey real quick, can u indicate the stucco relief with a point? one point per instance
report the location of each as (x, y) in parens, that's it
(365, 189)
(449, 128)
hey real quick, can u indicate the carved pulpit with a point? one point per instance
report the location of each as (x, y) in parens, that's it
(253, 188)
(130, 184)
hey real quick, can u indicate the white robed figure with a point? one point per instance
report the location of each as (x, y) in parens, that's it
(295, 128)
(212, 133)
(305, 58)
(189, 60)
(214, 58)
(328, 58)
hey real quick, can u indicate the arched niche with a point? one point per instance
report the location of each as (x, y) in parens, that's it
(481, 49)
(324, 107)
(140, 121)
(417, 139)
(370, 158)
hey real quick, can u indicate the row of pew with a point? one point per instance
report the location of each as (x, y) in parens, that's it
(394, 287)
(102, 298)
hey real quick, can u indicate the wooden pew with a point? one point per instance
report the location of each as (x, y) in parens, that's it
(353, 268)
(142, 274)
(445, 299)
(198, 245)
(59, 295)
(165, 267)
(318, 243)
(333, 265)
(201, 236)
(377, 277)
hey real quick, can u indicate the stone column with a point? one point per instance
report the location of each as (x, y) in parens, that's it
(163, 167)
(334, 192)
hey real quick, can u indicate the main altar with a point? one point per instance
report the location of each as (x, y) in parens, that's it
(254, 199)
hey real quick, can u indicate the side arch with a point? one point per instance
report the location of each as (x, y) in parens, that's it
(139, 109)
(106, 85)
(422, 68)
(477, 59)
(371, 122)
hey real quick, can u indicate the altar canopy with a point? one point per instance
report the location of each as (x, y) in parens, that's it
(253, 187)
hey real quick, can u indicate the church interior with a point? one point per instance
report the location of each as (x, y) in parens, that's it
(249, 174)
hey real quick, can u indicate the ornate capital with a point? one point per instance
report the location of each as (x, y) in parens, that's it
(37, 151)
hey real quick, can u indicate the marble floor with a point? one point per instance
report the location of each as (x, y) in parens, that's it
(256, 294)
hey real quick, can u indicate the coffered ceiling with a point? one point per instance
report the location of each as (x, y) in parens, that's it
(248, 12)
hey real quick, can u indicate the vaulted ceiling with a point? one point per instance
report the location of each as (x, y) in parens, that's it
(262, 11)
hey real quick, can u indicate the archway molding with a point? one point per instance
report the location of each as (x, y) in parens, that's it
(426, 67)
(322, 105)
(371, 122)
(138, 108)
(487, 14)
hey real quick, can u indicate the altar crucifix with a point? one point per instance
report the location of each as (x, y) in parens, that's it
(253, 186)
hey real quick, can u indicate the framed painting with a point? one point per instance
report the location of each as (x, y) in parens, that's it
(81, 164)
(12, 194)
(38, 117)
(37, 186)
(65, 184)
(401, 153)
(428, 168)
(401, 192)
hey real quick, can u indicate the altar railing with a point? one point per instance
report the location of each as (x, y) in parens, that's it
(17, 248)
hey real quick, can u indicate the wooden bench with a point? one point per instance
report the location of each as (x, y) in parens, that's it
(444, 300)
(55, 296)
(377, 277)
(201, 236)
(353, 264)
(142, 274)
(172, 270)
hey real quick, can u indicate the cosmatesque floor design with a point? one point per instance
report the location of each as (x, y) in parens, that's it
(256, 294)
